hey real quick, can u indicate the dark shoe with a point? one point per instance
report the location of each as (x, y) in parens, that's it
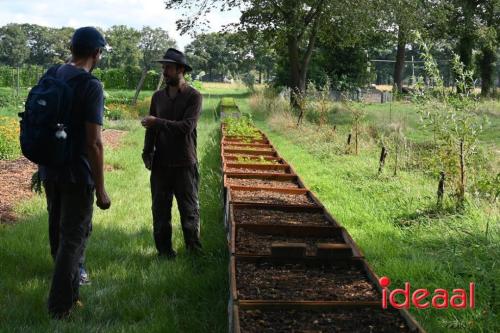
(65, 314)
(194, 248)
(60, 315)
(168, 255)
(84, 276)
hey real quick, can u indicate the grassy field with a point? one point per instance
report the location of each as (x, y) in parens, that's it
(391, 218)
(131, 291)
(394, 220)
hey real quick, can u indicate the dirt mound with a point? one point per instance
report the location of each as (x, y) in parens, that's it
(15, 181)
(112, 138)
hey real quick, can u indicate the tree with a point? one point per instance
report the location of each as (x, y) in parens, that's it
(124, 44)
(152, 44)
(61, 41)
(453, 120)
(295, 24)
(402, 17)
(209, 53)
(476, 24)
(39, 39)
(14, 49)
(260, 52)
(488, 40)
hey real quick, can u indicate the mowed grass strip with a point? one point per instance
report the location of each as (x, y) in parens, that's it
(392, 220)
(131, 290)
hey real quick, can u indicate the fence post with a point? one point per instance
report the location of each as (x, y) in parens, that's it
(17, 82)
(440, 191)
(383, 155)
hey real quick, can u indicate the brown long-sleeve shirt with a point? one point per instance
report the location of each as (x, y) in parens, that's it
(173, 138)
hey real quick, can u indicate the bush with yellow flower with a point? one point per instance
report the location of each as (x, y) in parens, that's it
(9, 138)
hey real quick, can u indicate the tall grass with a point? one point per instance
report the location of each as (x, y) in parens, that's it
(394, 218)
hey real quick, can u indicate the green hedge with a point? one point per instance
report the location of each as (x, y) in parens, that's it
(113, 78)
(126, 78)
(28, 76)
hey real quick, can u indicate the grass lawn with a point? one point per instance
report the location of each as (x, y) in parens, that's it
(391, 218)
(131, 290)
(393, 221)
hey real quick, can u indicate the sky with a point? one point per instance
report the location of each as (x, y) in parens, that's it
(104, 14)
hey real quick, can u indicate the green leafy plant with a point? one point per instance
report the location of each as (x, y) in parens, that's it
(241, 126)
(253, 160)
(453, 120)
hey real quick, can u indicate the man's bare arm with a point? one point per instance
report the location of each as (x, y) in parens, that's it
(95, 154)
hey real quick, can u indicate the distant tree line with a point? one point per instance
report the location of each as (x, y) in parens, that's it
(312, 39)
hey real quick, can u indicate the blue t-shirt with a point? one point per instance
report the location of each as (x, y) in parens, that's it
(88, 107)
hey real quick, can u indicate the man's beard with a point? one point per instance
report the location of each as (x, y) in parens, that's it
(172, 81)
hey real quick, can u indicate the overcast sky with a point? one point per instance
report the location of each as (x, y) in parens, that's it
(103, 13)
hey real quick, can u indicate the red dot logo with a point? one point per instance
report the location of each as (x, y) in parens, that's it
(384, 281)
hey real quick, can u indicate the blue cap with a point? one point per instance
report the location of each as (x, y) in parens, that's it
(88, 37)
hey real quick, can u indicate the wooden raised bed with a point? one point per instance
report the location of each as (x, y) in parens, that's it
(228, 139)
(257, 168)
(266, 180)
(245, 145)
(303, 280)
(260, 149)
(280, 197)
(257, 152)
(234, 157)
(258, 317)
(268, 214)
(257, 239)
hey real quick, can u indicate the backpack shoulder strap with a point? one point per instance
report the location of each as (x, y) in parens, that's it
(52, 71)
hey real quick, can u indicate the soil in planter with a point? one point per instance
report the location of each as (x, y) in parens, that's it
(271, 197)
(353, 320)
(248, 148)
(244, 140)
(248, 170)
(261, 183)
(279, 217)
(250, 242)
(254, 161)
(298, 282)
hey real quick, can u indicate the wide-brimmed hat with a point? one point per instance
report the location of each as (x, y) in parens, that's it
(176, 57)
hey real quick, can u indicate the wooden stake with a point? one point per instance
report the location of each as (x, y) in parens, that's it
(383, 155)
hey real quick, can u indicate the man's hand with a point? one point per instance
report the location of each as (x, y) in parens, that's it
(148, 121)
(148, 160)
(103, 201)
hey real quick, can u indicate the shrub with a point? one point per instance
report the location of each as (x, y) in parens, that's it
(9, 138)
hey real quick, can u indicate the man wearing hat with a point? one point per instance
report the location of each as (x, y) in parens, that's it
(70, 189)
(170, 153)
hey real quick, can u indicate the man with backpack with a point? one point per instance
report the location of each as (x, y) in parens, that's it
(170, 153)
(61, 132)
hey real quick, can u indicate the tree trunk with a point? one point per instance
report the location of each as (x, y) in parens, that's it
(399, 65)
(160, 82)
(465, 46)
(139, 86)
(487, 68)
(293, 54)
(260, 76)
